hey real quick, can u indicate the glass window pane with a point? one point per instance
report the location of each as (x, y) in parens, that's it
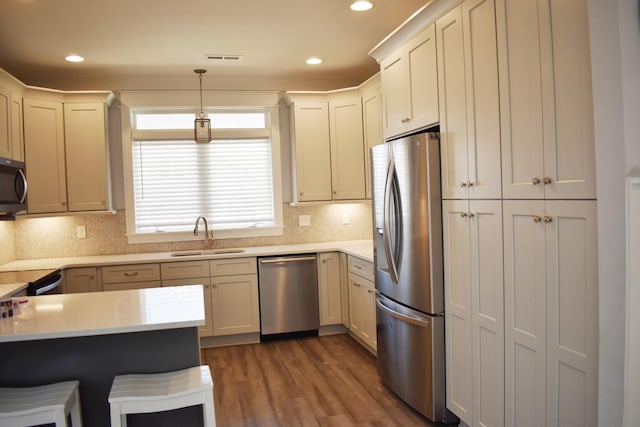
(237, 120)
(160, 121)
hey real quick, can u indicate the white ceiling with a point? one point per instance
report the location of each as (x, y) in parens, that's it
(156, 44)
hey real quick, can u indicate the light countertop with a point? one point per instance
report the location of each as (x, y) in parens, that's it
(9, 289)
(102, 313)
(359, 248)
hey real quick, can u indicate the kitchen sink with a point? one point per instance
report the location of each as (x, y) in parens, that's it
(207, 252)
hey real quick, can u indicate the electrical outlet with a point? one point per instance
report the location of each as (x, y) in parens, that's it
(81, 231)
(304, 220)
(345, 218)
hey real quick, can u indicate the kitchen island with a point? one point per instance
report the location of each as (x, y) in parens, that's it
(93, 337)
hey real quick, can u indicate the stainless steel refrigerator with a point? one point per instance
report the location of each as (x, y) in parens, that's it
(409, 271)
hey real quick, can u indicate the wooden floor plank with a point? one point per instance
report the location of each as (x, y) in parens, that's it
(316, 381)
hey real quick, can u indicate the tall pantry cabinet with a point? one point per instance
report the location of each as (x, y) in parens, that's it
(472, 212)
(548, 161)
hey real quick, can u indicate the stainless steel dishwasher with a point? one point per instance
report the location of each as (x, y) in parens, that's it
(288, 294)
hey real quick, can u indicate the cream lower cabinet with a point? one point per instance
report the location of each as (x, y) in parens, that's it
(330, 288)
(133, 276)
(235, 301)
(184, 273)
(409, 80)
(551, 313)
(362, 302)
(469, 102)
(79, 280)
(548, 148)
(474, 322)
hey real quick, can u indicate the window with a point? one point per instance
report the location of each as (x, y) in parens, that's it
(233, 181)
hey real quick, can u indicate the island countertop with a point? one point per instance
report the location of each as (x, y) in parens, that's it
(102, 313)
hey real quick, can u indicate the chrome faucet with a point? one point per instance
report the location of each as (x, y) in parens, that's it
(206, 230)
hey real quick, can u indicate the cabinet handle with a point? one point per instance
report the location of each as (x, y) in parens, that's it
(131, 274)
(463, 184)
(535, 180)
(469, 184)
(547, 180)
(470, 214)
(537, 218)
(547, 219)
(370, 291)
(463, 214)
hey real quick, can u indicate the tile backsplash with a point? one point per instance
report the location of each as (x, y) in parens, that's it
(105, 233)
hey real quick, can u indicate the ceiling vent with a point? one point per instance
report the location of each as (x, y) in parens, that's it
(222, 58)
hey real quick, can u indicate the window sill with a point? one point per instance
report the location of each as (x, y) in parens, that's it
(217, 235)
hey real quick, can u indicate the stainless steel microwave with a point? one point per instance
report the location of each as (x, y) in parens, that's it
(13, 188)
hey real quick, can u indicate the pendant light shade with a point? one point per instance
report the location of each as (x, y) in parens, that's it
(202, 124)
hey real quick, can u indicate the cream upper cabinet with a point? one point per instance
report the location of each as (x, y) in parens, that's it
(86, 156)
(66, 155)
(330, 288)
(410, 85)
(551, 322)
(311, 151)
(5, 124)
(17, 129)
(347, 147)
(474, 326)
(372, 124)
(469, 102)
(548, 148)
(45, 156)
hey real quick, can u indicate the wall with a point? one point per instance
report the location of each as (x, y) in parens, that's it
(56, 236)
(616, 66)
(7, 242)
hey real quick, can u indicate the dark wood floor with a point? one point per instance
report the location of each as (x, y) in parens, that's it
(318, 381)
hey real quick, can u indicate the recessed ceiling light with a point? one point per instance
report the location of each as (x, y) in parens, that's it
(361, 5)
(74, 58)
(314, 61)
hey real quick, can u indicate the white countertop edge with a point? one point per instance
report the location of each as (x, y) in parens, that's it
(360, 248)
(9, 289)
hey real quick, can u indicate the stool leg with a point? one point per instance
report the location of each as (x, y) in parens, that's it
(116, 417)
(60, 418)
(209, 412)
(76, 417)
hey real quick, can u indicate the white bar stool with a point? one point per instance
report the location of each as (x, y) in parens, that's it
(31, 406)
(145, 393)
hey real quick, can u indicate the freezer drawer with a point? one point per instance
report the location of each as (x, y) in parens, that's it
(411, 356)
(288, 294)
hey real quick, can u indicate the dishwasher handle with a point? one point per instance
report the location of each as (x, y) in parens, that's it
(286, 259)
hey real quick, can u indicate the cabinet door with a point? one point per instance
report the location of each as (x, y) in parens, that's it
(525, 313)
(487, 319)
(369, 333)
(17, 128)
(5, 124)
(453, 106)
(78, 280)
(205, 330)
(347, 149)
(423, 79)
(235, 304)
(395, 94)
(311, 151)
(344, 289)
(458, 280)
(372, 124)
(86, 156)
(520, 98)
(329, 289)
(569, 142)
(572, 313)
(44, 153)
(355, 305)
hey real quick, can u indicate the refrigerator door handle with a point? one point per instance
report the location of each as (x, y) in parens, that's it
(418, 321)
(389, 250)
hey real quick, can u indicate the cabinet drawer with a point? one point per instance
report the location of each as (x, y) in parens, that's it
(184, 270)
(361, 268)
(232, 266)
(131, 273)
(127, 286)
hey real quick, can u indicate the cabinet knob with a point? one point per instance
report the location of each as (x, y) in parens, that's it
(301, 193)
(537, 218)
(463, 184)
(469, 184)
(546, 180)
(535, 180)
(547, 219)
(470, 214)
(463, 214)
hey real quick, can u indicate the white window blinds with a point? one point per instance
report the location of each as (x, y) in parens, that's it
(228, 181)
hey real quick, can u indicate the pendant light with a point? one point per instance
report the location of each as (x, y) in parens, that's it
(202, 124)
